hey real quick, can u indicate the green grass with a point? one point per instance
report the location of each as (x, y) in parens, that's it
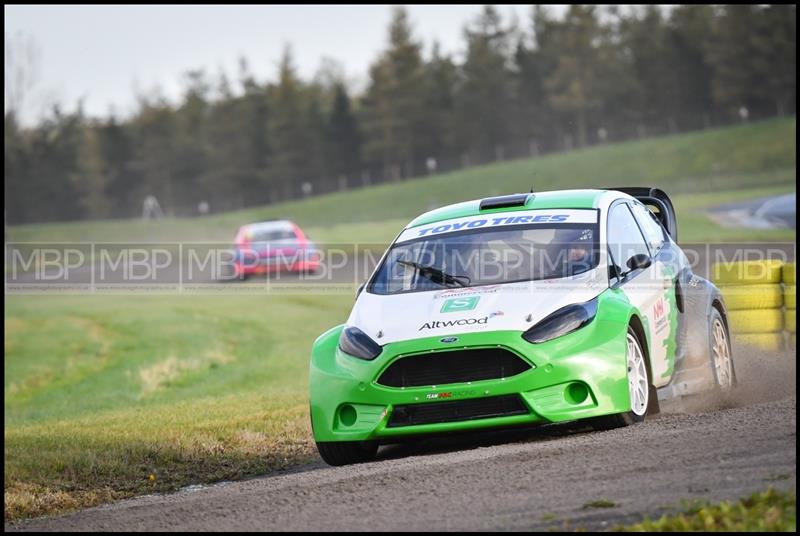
(103, 392)
(767, 511)
(757, 155)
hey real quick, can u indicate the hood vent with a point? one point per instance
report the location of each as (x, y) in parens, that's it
(504, 201)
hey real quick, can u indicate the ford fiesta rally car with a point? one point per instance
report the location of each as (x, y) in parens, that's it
(515, 310)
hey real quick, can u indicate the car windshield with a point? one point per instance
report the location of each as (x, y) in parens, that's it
(488, 257)
(272, 235)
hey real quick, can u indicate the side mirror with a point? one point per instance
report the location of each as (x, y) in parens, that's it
(360, 288)
(639, 262)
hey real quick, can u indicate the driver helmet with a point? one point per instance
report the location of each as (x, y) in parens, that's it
(576, 245)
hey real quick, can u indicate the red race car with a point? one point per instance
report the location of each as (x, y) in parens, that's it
(273, 246)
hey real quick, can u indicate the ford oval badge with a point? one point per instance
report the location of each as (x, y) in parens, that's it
(448, 340)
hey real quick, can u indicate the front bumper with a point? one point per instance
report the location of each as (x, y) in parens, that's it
(299, 261)
(347, 404)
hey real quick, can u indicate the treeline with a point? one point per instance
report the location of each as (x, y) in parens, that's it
(515, 89)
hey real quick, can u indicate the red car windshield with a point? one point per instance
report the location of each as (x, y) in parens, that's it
(265, 235)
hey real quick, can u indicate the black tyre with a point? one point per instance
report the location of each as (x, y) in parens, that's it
(642, 393)
(347, 452)
(229, 274)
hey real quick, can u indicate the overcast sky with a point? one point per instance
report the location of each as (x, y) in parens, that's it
(101, 53)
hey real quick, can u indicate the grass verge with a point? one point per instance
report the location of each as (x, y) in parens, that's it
(770, 510)
(108, 397)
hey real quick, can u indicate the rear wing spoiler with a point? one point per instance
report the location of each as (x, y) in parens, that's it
(659, 204)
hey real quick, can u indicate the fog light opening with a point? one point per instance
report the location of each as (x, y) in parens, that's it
(347, 415)
(576, 393)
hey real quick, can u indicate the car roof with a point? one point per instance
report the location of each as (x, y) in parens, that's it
(559, 199)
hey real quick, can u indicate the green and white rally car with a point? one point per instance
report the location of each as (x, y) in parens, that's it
(520, 309)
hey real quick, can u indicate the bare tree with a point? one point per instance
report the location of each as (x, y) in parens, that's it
(21, 70)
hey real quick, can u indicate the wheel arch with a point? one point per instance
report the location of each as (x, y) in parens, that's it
(679, 295)
(717, 304)
(638, 327)
(701, 298)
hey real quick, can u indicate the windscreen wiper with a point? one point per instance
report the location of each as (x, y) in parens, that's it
(436, 275)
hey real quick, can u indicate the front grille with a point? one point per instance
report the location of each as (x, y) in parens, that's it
(456, 366)
(456, 410)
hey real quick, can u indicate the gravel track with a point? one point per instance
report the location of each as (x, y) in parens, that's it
(533, 479)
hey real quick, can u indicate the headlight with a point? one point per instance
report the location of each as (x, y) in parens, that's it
(563, 321)
(355, 342)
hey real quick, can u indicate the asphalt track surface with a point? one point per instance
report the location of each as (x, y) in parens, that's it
(766, 212)
(704, 448)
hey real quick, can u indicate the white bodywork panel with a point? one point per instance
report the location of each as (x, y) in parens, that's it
(648, 293)
(401, 317)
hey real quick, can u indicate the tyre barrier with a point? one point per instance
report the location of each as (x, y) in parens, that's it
(789, 273)
(790, 296)
(756, 321)
(790, 301)
(761, 298)
(747, 272)
(738, 297)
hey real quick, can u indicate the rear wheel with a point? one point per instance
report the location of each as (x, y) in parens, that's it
(721, 360)
(639, 389)
(347, 452)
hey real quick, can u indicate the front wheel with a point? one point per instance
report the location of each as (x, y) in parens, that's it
(347, 452)
(640, 390)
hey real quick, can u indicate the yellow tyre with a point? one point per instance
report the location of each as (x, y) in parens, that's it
(763, 341)
(789, 273)
(739, 297)
(791, 320)
(790, 296)
(756, 321)
(746, 272)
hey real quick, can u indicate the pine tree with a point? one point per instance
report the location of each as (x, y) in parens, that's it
(573, 86)
(343, 136)
(484, 99)
(689, 29)
(437, 137)
(393, 107)
(290, 141)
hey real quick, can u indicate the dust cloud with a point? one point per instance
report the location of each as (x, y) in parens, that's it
(762, 376)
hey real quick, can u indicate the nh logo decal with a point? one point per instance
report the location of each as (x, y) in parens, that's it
(454, 305)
